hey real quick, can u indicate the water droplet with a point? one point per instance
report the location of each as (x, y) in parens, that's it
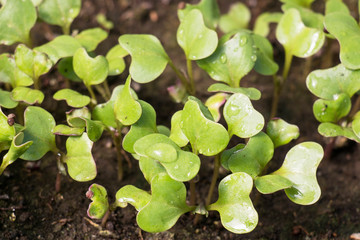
(253, 58)
(223, 58)
(200, 36)
(243, 40)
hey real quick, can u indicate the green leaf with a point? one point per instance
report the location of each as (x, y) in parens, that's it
(79, 160)
(7, 131)
(27, 95)
(92, 71)
(177, 135)
(265, 63)
(65, 67)
(272, 183)
(144, 126)
(167, 204)
(225, 155)
(76, 115)
(195, 38)
(60, 13)
(150, 168)
(296, 38)
(281, 132)
(148, 57)
(163, 130)
(333, 6)
(214, 104)
(310, 18)
(332, 110)
(304, 3)
(180, 165)
(237, 212)
(329, 83)
(355, 125)
(72, 98)
(253, 158)
(299, 167)
(6, 101)
(237, 18)
(133, 195)
(347, 31)
(17, 148)
(242, 119)
(16, 19)
(251, 93)
(61, 47)
(209, 9)
(38, 128)
(64, 130)
(94, 129)
(334, 130)
(115, 57)
(31, 62)
(206, 136)
(263, 21)
(90, 38)
(127, 109)
(101, 19)
(233, 59)
(100, 204)
(11, 74)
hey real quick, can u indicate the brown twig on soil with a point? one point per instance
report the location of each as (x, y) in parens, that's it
(102, 232)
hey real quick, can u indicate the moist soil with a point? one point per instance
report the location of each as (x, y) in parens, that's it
(30, 208)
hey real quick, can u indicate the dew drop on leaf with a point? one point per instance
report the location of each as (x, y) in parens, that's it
(243, 40)
(253, 58)
(223, 58)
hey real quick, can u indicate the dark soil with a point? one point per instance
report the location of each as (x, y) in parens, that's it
(31, 209)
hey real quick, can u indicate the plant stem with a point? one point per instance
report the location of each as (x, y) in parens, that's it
(102, 92)
(287, 65)
(214, 179)
(66, 29)
(276, 94)
(107, 90)
(191, 77)
(355, 108)
(8, 87)
(92, 95)
(105, 218)
(192, 192)
(181, 76)
(20, 113)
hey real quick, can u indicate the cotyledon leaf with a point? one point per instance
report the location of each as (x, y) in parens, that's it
(332, 6)
(7, 131)
(6, 101)
(115, 57)
(64, 130)
(251, 93)
(226, 154)
(148, 57)
(100, 204)
(11, 74)
(150, 168)
(90, 38)
(133, 195)
(332, 110)
(176, 134)
(242, 119)
(72, 98)
(237, 212)
(355, 125)
(281, 132)
(237, 18)
(264, 63)
(333, 130)
(263, 21)
(310, 18)
(94, 128)
(214, 104)
(27, 95)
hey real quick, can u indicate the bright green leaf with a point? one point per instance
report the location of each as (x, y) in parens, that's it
(355, 125)
(65, 67)
(304, 3)
(237, 18)
(251, 93)
(263, 21)
(6, 101)
(148, 57)
(72, 98)
(94, 129)
(100, 204)
(334, 130)
(281, 132)
(150, 168)
(237, 212)
(332, 110)
(333, 6)
(64, 130)
(115, 57)
(177, 135)
(225, 155)
(214, 104)
(10, 73)
(265, 63)
(90, 38)
(7, 131)
(27, 95)
(272, 183)
(310, 18)
(133, 195)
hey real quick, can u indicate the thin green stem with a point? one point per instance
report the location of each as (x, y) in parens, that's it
(105, 218)
(92, 95)
(107, 89)
(276, 94)
(66, 29)
(287, 65)
(102, 92)
(191, 76)
(214, 179)
(8, 87)
(117, 138)
(181, 76)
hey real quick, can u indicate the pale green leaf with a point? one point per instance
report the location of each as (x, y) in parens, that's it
(72, 98)
(99, 201)
(115, 57)
(281, 132)
(91, 38)
(251, 93)
(27, 95)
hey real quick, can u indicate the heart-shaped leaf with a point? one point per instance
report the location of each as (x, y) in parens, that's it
(144, 126)
(38, 128)
(64, 130)
(65, 67)
(167, 204)
(310, 18)
(251, 93)
(234, 57)
(180, 165)
(150, 168)
(237, 212)
(242, 119)
(297, 39)
(76, 116)
(272, 183)
(209, 9)
(347, 31)
(237, 18)
(281, 132)
(334, 130)
(225, 155)
(333, 6)
(17, 148)
(94, 129)
(100, 204)
(115, 57)
(133, 195)
(332, 110)
(79, 160)
(127, 109)
(92, 71)
(16, 20)
(148, 57)
(304, 3)
(214, 104)
(263, 21)
(62, 46)
(253, 158)
(195, 38)
(27, 95)
(90, 38)
(11, 74)
(299, 167)
(31, 62)
(265, 63)
(177, 135)
(163, 130)
(72, 98)
(206, 136)
(60, 13)
(7, 131)
(6, 101)
(329, 83)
